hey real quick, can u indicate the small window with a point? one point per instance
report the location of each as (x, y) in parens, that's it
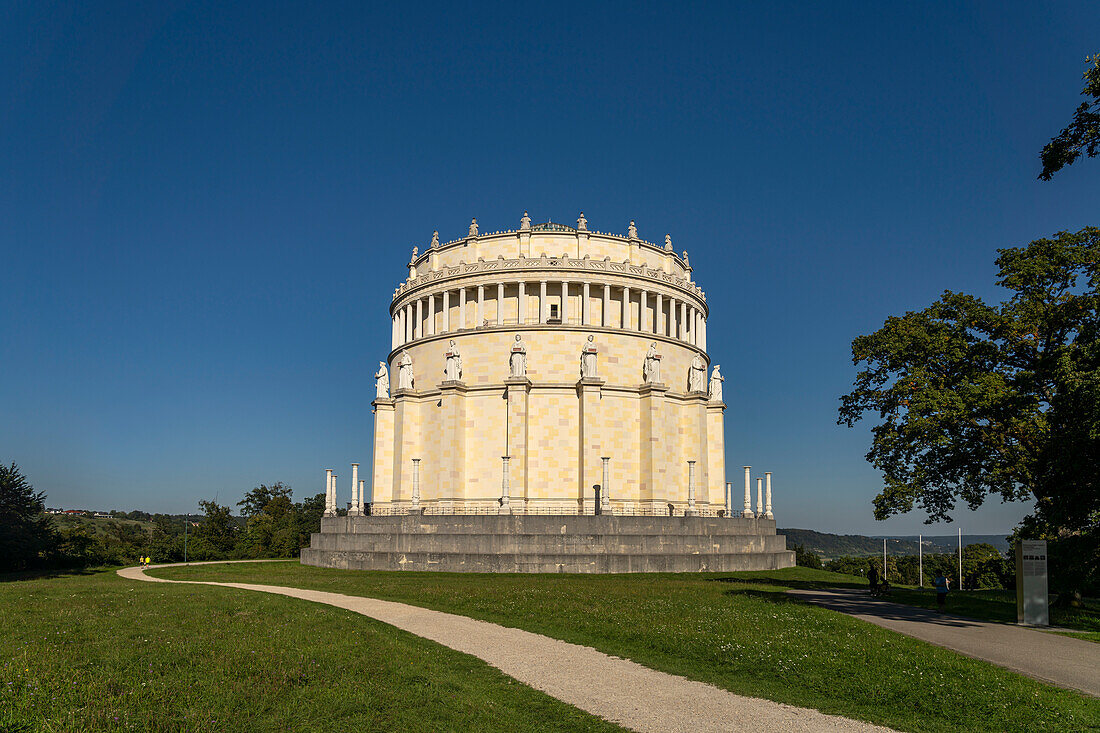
(554, 314)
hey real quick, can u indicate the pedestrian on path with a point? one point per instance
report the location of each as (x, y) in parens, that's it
(942, 586)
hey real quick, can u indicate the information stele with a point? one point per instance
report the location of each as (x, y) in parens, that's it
(1031, 583)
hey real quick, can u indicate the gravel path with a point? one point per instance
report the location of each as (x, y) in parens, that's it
(618, 690)
(1058, 660)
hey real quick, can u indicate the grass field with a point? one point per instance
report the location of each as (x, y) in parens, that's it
(98, 653)
(736, 630)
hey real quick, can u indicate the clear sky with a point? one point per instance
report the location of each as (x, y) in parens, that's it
(205, 207)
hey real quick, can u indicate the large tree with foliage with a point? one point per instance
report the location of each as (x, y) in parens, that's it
(978, 399)
(1082, 135)
(27, 534)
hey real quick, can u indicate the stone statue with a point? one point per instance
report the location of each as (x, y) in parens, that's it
(416, 251)
(582, 223)
(525, 222)
(405, 371)
(697, 375)
(454, 363)
(668, 243)
(651, 367)
(716, 380)
(518, 359)
(588, 358)
(632, 231)
(473, 228)
(686, 262)
(435, 239)
(382, 382)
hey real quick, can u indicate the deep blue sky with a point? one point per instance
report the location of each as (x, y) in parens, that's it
(204, 209)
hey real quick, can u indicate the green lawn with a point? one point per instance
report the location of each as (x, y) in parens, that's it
(1000, 605)
(96, 652)
(735, 630)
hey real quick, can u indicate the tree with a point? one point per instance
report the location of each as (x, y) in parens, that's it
(1083, 133)
(806, 558)
(27, 535)
(217, 530)
(259, 497)
(978, 400)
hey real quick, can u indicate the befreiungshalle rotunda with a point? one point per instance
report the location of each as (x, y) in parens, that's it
(548, 404)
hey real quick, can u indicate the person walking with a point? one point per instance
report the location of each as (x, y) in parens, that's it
(942, 586)
(872, 579)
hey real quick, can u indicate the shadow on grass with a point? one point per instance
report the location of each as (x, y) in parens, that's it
(785, 584)
(47, 573)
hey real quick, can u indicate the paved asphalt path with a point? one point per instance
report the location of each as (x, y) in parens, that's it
(614, 689)
(1059, 660)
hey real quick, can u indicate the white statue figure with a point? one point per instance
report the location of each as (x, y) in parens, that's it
(416, 251)
(435, 239)
(686, 262)
(697, 375)
(454, 362)
(525, 222)
(668, 243)
(473, 228)
(632, 231)
(588, 358)
(518, 359)
(405, 371)
(651, 367)
(716, 380)
(382, 382)
(582, 223)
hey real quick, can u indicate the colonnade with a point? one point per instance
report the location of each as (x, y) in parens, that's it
(656, 313)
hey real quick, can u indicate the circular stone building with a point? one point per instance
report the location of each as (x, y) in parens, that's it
(546, 370)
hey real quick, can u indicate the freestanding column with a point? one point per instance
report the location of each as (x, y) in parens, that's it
(626, 308)
(565, 302)
(606, 306)
(521, 311)
(659, 322)
(643, 316)
(430, 325)
(500, 304)
(330, 503)
(605, 495)
(748, 495)
(409, 323)
(356, 498)
(446, 310)
(683, 321)
(691, 490)
(729, 499)
(416, 484)
(768, 495)
(672, 317)
(480, 306)
(544, 307)
(505, 507)
(585, 316)
(362, 501)
(461, 308)
(418, 327)
(759, 497)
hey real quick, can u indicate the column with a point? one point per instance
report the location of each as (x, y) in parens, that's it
(543, 308)
(660, 324)
(605, 495)
(691, 490)
(418, 326)
(393, 333)
(585, 317)
(748, 495)
(362, 501)
(703, 331)
(565, 301)
(729, 499)
(461, 308)
(480, 306)
(450, 449)
(521, 311)
(672, 320)
(330, 509)
(446, 311)
(409, 323)
(768, 495)
(607, 306)
(642, 315)
(356, 500)
(416, 484)
(500, 304)
(505, 507)
(430, 326)
(683, 321)
(626, 308)
(759, 497)
(383, 453)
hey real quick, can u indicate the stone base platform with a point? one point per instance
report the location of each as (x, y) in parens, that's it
(548, 544)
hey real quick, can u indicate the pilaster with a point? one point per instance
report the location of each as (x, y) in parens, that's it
(406, 444)
(716, 454)
(654, 479)
(590, 392)
(452, 442)
(382, 459)
(518, 392)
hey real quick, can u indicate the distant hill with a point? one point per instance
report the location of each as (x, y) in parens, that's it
(830, 546)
